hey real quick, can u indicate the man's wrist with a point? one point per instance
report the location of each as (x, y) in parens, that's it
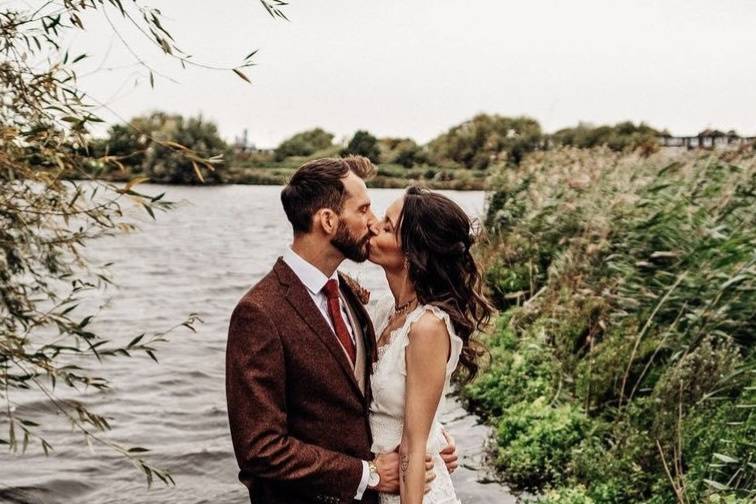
(374, 478)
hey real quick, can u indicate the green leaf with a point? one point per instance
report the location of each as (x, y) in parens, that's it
(240, 74)
(70, 308)
(716, 485)
(135, 341)
(725, 458)
(149, 211)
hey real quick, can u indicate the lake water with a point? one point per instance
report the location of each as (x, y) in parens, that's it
(200, 257)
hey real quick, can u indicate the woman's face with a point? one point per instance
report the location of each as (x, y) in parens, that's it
(384, 246)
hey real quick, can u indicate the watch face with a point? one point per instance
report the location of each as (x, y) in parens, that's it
(373, 479)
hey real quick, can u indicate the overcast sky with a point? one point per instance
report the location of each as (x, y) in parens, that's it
(416, 67)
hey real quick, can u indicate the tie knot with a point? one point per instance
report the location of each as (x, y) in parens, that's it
(331, 289)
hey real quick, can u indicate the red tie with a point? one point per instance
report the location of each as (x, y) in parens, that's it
(331, 290)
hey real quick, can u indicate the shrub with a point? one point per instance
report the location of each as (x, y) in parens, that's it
(304, 144)
(363, 144)
(518, 370)
(486, 140)
(536, 441)
(567, 495)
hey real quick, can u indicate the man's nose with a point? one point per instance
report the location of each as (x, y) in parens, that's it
(373, 223)
(373, 228)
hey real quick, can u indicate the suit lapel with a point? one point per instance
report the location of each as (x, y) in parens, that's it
(366, 324)
(299, 298)
(368, 332)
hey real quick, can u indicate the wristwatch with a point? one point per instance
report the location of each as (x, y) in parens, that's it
(374, 479)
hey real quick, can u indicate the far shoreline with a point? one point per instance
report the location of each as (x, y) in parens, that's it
(453, 180)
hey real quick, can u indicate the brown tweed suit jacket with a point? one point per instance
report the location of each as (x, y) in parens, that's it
(299, 423)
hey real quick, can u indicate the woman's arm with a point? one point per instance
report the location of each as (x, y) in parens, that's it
(426, 358)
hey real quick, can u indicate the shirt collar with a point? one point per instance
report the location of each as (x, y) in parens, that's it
(309, 275)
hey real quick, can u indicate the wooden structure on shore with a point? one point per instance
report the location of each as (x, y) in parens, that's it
(707, 139)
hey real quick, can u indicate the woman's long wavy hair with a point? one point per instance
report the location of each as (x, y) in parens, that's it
(436, 236)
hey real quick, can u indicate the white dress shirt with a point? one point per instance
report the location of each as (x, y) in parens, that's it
(314, 280)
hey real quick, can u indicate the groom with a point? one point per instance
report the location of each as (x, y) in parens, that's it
(300, 351)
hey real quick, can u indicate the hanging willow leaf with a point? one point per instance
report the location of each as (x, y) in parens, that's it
(241, 74)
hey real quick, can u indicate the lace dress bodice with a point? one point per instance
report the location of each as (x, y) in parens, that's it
(388, 386)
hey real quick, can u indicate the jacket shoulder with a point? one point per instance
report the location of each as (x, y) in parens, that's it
(265, 293)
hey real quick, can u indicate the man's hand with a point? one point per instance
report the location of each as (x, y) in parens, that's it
(387, 465)
(449, 454)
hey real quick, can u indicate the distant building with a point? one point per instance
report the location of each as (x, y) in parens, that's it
(707, 139)
(242, 143)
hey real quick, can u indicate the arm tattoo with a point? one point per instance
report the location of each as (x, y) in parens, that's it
(404, 464)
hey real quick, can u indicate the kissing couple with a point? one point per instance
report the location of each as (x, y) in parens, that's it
(333, 402)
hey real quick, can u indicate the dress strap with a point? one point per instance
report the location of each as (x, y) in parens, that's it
(454, 340)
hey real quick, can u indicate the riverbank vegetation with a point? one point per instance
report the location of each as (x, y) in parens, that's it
(622, 366)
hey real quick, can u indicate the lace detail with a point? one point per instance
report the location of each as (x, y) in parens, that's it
(388, 385)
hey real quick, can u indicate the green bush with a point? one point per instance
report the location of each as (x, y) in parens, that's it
(620, 137)
(518, 370)
(535, 441)
(147, 146)
(568, 495)
(486, 140)
(401, 151)
(363, 144)
(303, 144)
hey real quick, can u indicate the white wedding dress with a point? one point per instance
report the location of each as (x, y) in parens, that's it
(388, 386)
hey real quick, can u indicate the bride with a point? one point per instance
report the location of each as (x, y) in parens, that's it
(424, 332)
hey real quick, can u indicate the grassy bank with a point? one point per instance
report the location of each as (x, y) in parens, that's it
(278, 173)
(622, 364)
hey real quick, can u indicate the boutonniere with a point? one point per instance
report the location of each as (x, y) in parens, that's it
(361, 292)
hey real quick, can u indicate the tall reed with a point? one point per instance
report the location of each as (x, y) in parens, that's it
(628, 286)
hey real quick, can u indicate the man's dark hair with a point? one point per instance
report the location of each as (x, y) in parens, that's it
(318, 184)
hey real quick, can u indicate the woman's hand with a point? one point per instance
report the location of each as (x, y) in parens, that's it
(449, 454)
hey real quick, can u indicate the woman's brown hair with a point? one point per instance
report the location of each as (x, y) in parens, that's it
(436, 235)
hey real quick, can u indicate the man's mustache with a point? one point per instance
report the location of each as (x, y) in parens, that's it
(366, 238)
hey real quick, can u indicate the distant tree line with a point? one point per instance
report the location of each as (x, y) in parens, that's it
(485, 140)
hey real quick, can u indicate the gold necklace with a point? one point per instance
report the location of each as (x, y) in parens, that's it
(400, 310)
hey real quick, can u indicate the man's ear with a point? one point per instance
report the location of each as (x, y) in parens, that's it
(327, 220)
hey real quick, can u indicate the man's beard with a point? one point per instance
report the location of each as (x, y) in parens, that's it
(353, 248)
